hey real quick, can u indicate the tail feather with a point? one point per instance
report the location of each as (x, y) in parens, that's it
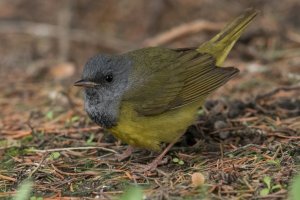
(220, 45)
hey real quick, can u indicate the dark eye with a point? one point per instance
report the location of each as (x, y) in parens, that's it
(109, 78)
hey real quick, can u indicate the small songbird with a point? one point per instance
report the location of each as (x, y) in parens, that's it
(149, 96)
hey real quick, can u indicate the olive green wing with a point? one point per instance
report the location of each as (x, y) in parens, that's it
(175, 80)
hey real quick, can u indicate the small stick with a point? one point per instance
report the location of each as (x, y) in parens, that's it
(21, 133)
(182, 30)
(39, 165)
(74, 148)
(8, 178)
(275, 91)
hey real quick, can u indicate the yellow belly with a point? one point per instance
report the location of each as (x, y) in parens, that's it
(148, 132)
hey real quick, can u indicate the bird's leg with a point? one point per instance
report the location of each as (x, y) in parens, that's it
(153, 165)
(125, 153)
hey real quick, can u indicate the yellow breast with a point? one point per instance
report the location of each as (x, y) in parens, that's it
(149, 131)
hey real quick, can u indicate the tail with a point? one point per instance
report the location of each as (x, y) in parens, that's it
(220, 45)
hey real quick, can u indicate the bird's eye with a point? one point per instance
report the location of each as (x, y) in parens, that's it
(109, 78)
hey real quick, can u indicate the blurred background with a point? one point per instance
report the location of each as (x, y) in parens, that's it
(45, 44)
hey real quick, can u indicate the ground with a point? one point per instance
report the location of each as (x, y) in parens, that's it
(245, 141)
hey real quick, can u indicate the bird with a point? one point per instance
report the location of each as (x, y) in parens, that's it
(150, 96)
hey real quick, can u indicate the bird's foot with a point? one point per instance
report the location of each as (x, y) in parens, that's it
(149, 167)
(153, 165)
(127, 153)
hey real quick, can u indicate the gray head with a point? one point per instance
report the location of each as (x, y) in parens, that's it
(105, 79)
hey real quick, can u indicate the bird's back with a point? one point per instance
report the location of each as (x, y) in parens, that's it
(168, 86)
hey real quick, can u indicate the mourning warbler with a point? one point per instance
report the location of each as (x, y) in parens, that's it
(149, 96)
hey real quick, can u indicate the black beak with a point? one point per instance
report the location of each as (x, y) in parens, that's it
(84, 83)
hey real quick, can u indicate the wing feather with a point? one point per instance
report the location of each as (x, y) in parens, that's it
(187, 77)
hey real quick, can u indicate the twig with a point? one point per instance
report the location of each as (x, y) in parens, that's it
(276, 152)
(243, 148)
(229, 129)
(7, 194)
(74, 148)
(284, 136)
(75, 174)
(275, 91)
(39, 165)
(182, 30)
(72, 130)
(8, 178)
(22, 133)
